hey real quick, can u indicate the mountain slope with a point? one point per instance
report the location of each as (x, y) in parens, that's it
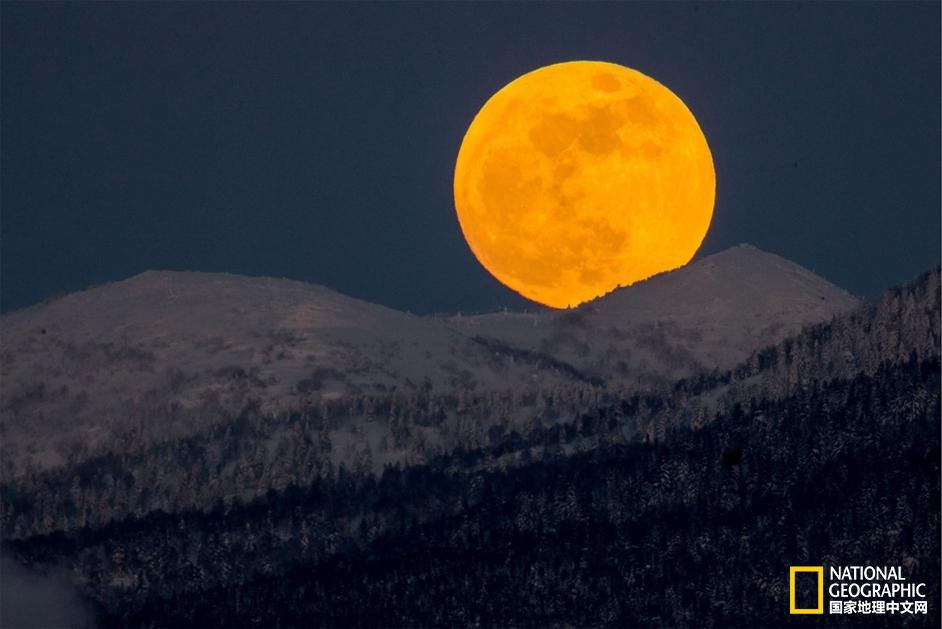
(164, 355)
(561, 526)
(236, 458)
(708, 315)
(169, 350)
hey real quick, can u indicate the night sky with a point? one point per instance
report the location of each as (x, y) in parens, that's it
(317, 141)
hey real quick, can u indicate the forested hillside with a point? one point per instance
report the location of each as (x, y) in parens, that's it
(680, 505)
(694, 530)
(252, 452)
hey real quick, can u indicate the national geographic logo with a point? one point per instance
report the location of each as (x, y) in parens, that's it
(868, 590)
(792, 607)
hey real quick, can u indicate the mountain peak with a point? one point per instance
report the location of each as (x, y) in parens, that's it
(744, 277)
(708, 314)
(744, 253)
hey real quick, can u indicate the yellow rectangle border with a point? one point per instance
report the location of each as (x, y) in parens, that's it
(792, 571)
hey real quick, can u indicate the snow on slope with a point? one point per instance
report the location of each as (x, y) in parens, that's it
(710, 314)
(163, 346)
(164, 352)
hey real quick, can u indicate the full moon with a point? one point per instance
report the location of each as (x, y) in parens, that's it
(580, 177)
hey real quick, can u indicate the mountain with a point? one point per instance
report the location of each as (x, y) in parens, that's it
(904, 325)
(577, 505)
(165, 354)
(711, 314)
(170, 351)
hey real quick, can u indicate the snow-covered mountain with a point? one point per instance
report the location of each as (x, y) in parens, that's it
(170, 350)
(165, 352)
(711, 314)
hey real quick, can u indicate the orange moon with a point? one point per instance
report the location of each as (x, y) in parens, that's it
(580, 177)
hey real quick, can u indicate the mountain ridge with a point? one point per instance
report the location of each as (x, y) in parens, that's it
(253, 452)
(235, 456)
(163, 351)
(707, 315)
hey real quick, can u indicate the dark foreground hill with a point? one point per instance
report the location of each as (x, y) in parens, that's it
(696, 530)
(681, 505)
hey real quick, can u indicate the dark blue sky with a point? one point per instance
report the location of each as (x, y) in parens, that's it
(317, 141)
